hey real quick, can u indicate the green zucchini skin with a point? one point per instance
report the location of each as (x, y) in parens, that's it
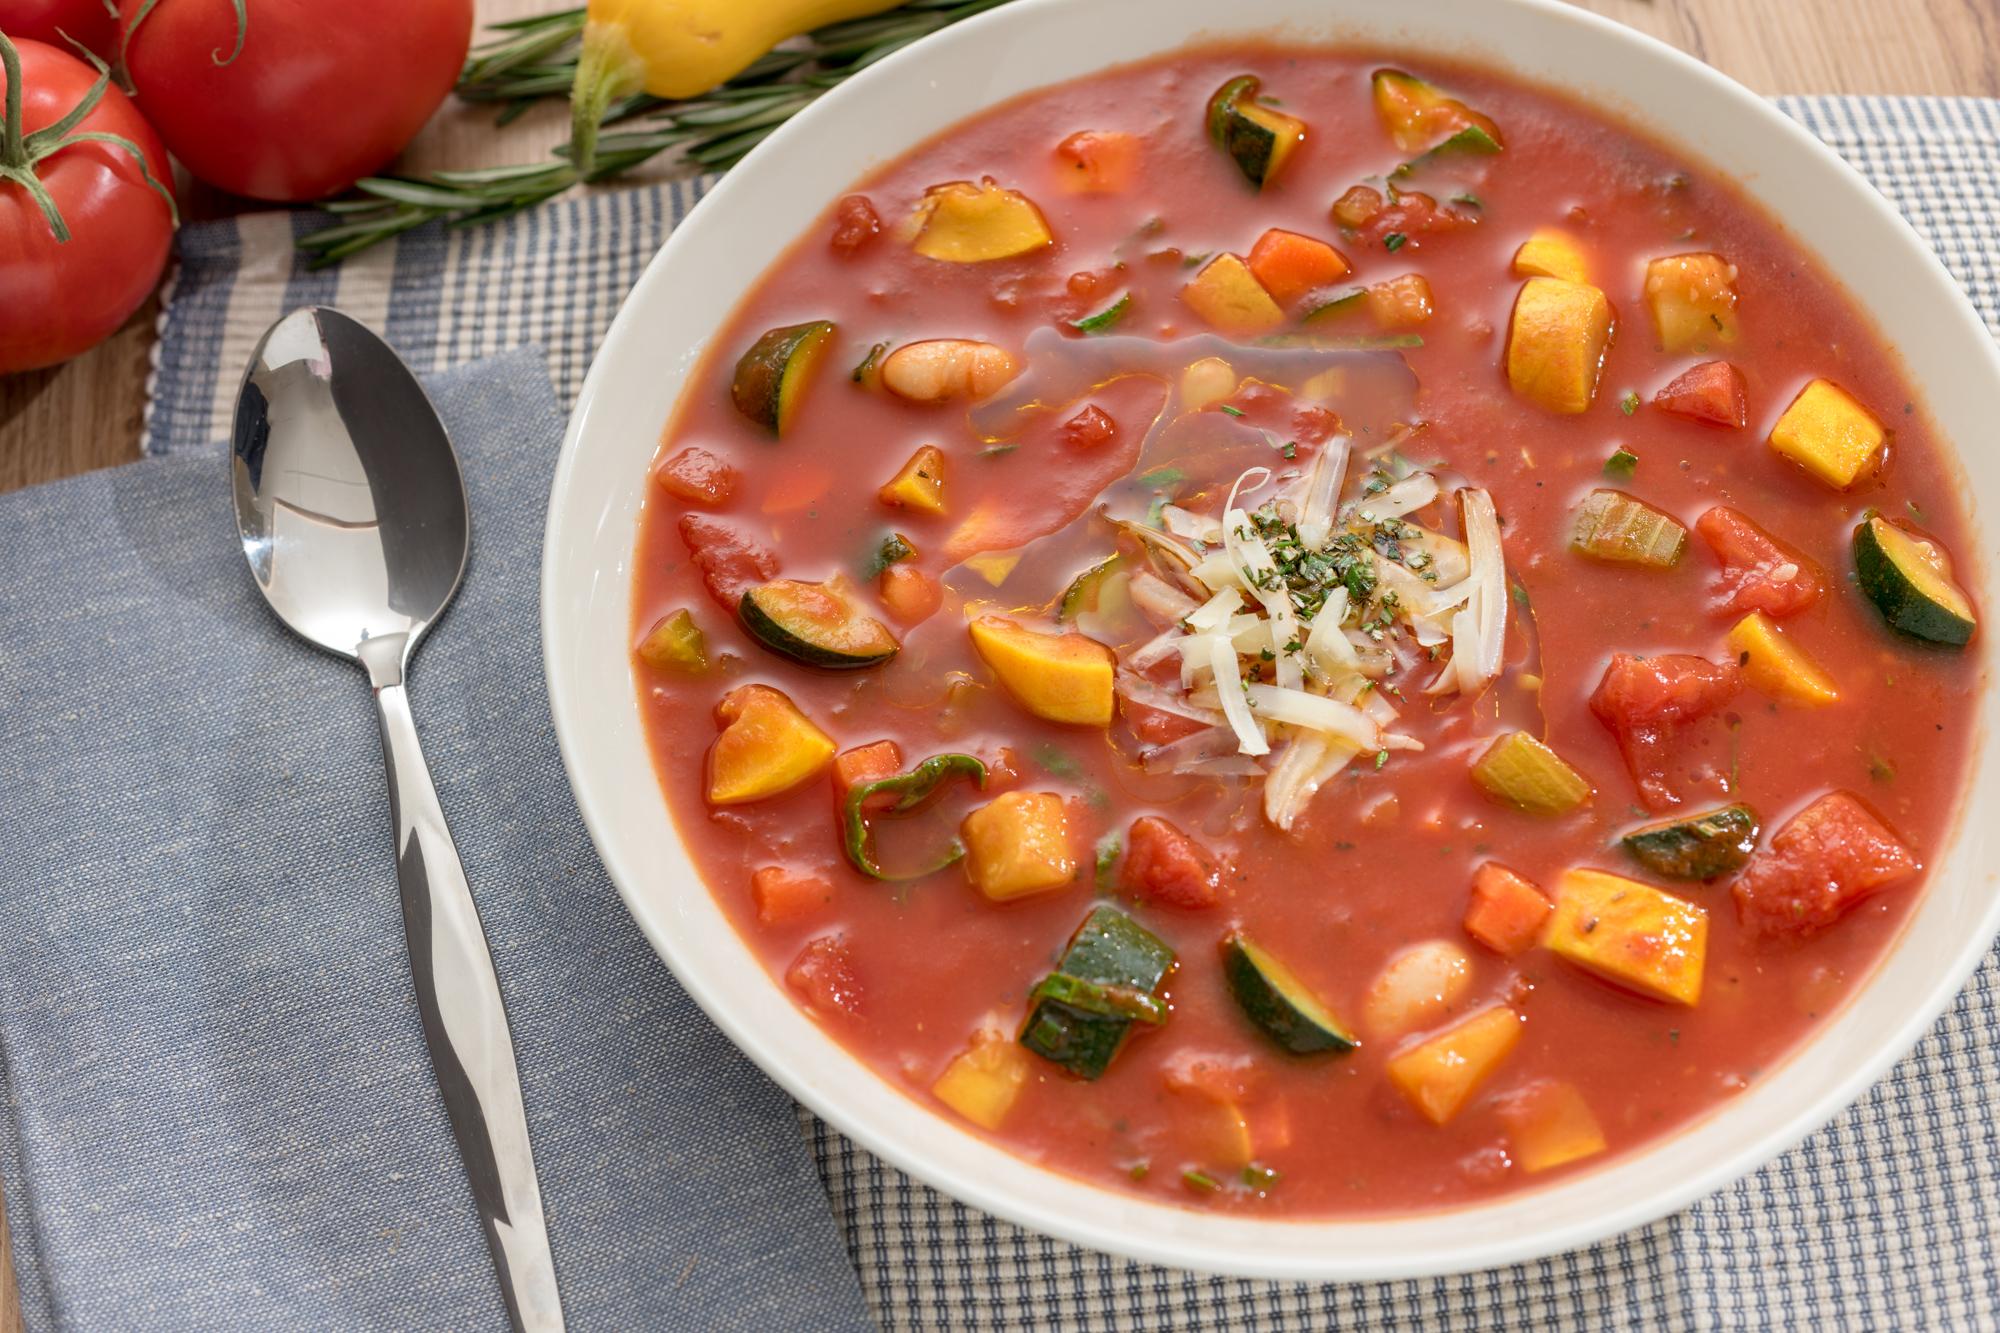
(1703, 846)
(1109, 949)
(772, 614)
(1273, 999)
(1253, 137)
(1900, 593)
(771, 375)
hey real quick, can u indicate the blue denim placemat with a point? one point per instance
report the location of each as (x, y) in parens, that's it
(222, 1115)
(1888, 1218)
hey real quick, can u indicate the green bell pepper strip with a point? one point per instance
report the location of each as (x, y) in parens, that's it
(911, 789)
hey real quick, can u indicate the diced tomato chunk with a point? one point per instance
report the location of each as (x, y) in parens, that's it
(1165, 865)
(864, 764)
(1712, 392)
(1288, 265)
(1507, 912)
(1650, 704)
(698, 477)
(1312, 424)
(1089, 428)
(1830, 856)
(1413, 215)
(909, 595)
(729, 562)
(823, 975)
(1357, 207)
(1099, 161)
(1759, 572)
(855, 224)
(785, 895)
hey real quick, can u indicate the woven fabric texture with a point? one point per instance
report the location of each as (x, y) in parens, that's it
(220, 1113)
(1888, 1218)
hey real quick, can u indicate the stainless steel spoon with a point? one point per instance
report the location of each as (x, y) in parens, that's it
(353, 517)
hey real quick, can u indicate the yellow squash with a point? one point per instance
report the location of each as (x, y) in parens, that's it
(683, 48)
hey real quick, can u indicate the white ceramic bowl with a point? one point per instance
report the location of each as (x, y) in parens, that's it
(723, 247)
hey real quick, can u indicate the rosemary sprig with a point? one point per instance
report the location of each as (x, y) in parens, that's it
(530, 60)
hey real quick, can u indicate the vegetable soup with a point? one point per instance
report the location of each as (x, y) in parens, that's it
(1306, 632)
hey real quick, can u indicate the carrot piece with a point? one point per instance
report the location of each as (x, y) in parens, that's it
(1711, 392)
(1290, 265)
(864, 764)
(1507, 912)
(787, 895)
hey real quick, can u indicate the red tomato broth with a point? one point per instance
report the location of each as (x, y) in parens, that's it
(1346, 889)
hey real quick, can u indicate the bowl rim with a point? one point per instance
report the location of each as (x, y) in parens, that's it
(1194, 1250)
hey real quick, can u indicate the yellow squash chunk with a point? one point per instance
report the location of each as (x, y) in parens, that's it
(1556, 343)
(1440, 1073)
(1230, 300)
(1529, 776)
(920, 485)
(963, 223)
(1549, 1124)
(1776, 666)
(1630, 933)
(767, 746)
(1693, 300)
(1018, 844)
(1226, 1136)
(982, 1081)
(1828, 434)
(1061, 677)
(675, 644)
(1550, 253)
(994, 566)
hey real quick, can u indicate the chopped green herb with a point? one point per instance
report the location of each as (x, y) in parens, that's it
(1881, 769)
(1520, 596)
(895, 547)
(1630, 402)
(1915, 512)
(1055, 762)
(1291, 449)
(1108, 848)
(1381, 758)
(1260, 1177)
(1139, 1169)
(1196, 261)
(1469, 199)
(1106, 319)
(998, 451)
(1621, 465)
(1161, 477)
(1200, 1181)
(1394, 241)
(1232, 411)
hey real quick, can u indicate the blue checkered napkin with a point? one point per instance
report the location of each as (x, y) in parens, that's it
(219, 1111)
(1888, 1218)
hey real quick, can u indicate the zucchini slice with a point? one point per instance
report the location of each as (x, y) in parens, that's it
(1422, 119)
(771, 377)
(1108, 978)
(1278, 1002)
(1703, 846)
(1909, 579)
(1259, 139)
(1622, 529)
(815, 623)
(1086, 589)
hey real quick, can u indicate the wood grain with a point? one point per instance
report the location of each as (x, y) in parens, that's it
(87, 414)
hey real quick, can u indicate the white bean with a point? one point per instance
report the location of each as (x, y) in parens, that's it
(941, 368)
(1416, 987)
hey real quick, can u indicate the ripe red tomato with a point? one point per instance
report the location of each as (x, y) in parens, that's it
(86, 21)
(59, 298)
(319, 96)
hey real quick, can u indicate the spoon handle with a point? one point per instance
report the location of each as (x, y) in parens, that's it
(465, 1025)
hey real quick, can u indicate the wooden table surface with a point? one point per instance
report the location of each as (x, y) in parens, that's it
(87, 414)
